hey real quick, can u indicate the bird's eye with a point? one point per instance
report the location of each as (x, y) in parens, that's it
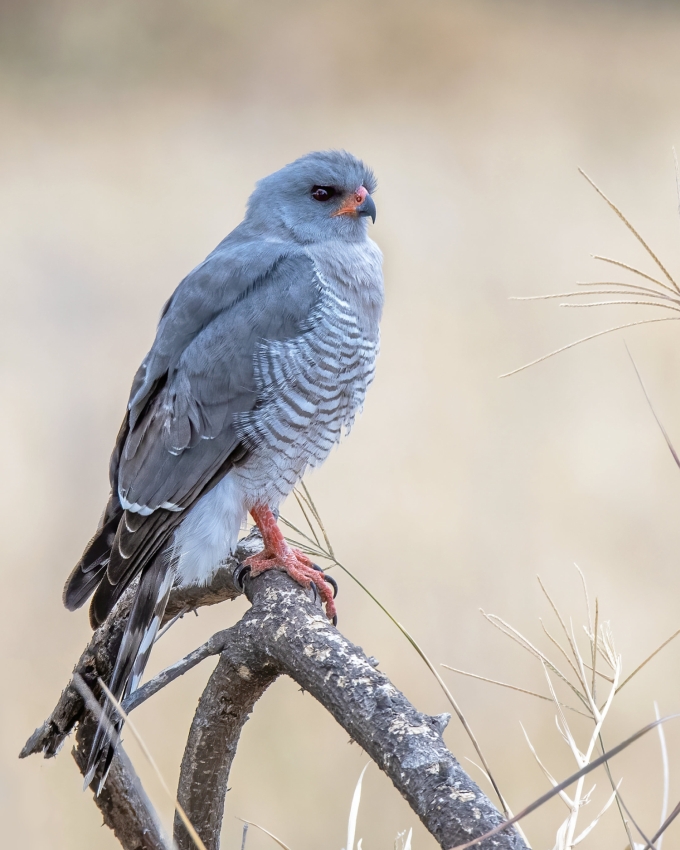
(323, 193)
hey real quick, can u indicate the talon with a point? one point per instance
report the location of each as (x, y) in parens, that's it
(335, 620)
(333, 583)
(277, 554)
(240, 575)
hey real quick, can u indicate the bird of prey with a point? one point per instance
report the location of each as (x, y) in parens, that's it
(261, 360)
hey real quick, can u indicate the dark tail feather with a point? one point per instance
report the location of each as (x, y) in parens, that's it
(105, 597)
(141, 629)
(89, 570)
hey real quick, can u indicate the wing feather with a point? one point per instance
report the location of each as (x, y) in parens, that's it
(180, 436)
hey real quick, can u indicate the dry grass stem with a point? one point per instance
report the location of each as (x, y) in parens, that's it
(587, 339)
(635, 233)
(627, 287)
(634, 270)
(266, 832)
(512, 688)
(615, 303)
(195, 837)
(666, 770)
(508, 630)
(665, 296)
(329, 554)
(583, 667)
(354, 812)
(649, 658)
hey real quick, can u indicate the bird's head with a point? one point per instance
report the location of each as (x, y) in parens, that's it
(323, 195)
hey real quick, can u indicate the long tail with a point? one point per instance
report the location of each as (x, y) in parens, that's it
(140, 632)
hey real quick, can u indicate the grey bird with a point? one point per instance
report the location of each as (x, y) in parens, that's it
(261, 360)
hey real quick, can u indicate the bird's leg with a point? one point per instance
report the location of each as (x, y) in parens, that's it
(277, 554)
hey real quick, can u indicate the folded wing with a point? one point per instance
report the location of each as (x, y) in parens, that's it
(179, 436)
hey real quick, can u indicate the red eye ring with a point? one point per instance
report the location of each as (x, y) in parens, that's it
(323, 193)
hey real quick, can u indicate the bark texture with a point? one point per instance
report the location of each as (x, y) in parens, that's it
(283, 632)
(123, 803)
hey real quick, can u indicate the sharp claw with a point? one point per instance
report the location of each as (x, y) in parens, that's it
(239, 576)
(335, 620)
(333, 583)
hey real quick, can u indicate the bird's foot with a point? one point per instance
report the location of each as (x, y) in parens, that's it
(300, 568)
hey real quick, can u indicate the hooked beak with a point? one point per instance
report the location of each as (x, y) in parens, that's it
(358, 204)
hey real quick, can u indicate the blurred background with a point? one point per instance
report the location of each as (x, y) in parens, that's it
(130, 137)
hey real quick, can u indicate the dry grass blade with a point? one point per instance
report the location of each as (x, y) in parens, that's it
(594, 647)
(317, 517)
(585, 593)
(171, 623)
(664, 826)
(666, 771)
(596, 820)
(636, 287)
(634, 271)
(648, 659)
(512, 688)
(677, 175)
(314, 547)
(455, 707)
(509, 814)
(540, 801)
(587, 339)
(93, 706)
(588, 293)
(618, 212)
(616, 303)
(570, 640)
(195, 837)
(266, 832)
(651, 407)
(551, 779)
(354, 812)
(620, 805)
(559, 646)
(509, 631)
(329, 553)
(304, 514)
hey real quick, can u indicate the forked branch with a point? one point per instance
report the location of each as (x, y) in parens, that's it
(283, 632)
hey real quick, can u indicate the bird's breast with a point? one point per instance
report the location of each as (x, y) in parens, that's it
(309, 391)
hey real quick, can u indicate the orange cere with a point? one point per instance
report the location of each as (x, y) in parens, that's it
(354, 200)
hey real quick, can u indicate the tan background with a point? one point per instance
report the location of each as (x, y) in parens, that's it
(131, 134)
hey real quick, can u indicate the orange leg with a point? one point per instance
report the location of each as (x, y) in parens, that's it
(277, 554)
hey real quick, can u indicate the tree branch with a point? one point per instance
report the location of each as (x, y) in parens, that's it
(225, 705)
(98, 658)
(123, 802)
(284, 631)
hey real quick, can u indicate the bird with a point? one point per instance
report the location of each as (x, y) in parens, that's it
(260, 363)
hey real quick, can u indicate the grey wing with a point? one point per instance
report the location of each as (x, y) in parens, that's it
(189, 425)
(184, 437)
(227, 275)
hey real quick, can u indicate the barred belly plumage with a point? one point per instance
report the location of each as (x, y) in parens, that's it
(310, 390)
